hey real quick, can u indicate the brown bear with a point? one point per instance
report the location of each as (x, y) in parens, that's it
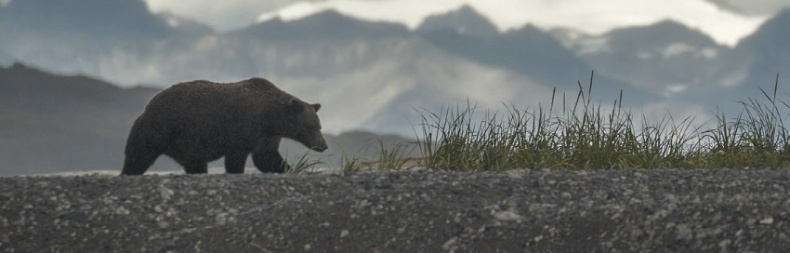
(200, 121)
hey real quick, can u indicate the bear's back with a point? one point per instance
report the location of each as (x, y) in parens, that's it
(185, 97)
(203, 100)
(201, 93)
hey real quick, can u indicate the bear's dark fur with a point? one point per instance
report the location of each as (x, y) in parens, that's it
(200, 121)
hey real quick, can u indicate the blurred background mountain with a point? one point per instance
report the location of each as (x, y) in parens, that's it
(80, 84)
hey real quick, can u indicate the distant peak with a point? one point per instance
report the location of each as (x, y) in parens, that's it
(670, 23)
(661, 33)
(323, 24)
(296, 11)
(330, 14)
(320, 16)
(464, 20)
(467, 10)
(782, 17)
(770, 32)
(18, 66)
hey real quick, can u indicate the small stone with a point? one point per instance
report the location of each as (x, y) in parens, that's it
(343, 233)
(724, 243)
(514, 174)
(507, 216)
(307, 247)
(221, 219)
(767, 221)
(449, 244)
(684, 232)
(163, 224)
(636, 232)
(165, 192)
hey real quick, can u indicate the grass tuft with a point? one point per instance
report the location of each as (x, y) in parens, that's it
(350, 165)
(302, 164)
(584, 136)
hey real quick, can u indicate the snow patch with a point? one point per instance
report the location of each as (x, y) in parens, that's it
(593, 46)
(674, 89)
(676, 49)
(206, 43)
(295, 11)
(708, 53)
(172, 21)
(680, 48)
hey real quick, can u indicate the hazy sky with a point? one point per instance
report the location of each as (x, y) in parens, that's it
(725, 20)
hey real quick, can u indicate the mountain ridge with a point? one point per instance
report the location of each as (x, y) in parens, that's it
(324, 24)
(464, 20)
(364, 71)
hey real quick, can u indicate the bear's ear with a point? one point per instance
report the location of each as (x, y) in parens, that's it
(316, 107)
(295, 106)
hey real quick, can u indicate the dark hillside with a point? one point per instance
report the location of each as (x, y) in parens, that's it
(52, 123)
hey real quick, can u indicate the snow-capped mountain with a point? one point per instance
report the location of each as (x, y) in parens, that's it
(666, 57)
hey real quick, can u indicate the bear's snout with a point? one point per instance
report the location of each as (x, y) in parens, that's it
(319, 149)
(320, 146)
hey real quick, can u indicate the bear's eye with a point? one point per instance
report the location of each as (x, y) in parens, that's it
(316, 126)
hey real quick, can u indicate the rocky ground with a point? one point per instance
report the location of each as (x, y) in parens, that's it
(518, 211)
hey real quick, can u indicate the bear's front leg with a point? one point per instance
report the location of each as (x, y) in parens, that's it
(268, 161)
(267, 158)
(137, 164)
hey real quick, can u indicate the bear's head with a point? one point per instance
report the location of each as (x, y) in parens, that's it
(304, 125)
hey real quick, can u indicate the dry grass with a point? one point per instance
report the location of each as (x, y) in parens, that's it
(584, 136)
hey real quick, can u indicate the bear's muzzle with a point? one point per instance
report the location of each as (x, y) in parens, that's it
(319, 148)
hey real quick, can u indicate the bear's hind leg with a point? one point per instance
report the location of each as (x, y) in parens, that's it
(234, 162)
(137, 164)
(195, 167)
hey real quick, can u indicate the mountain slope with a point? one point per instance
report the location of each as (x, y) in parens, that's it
(666, 57)
(531, 52)
(116, 20)
(767, 52)
(55, 123)
(72, 38)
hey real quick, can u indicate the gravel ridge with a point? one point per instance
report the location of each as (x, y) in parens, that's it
(723, 210)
